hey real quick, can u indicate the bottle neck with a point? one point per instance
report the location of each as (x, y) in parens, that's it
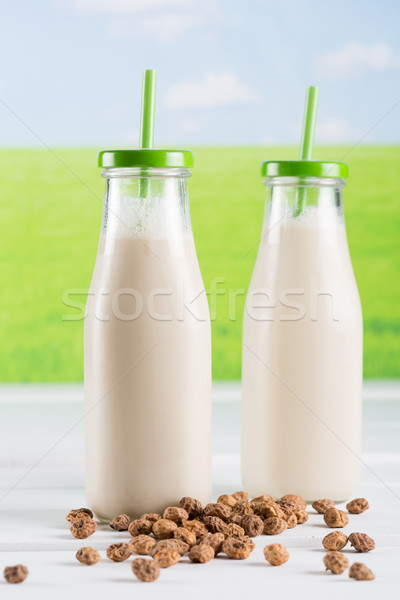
(146, 203)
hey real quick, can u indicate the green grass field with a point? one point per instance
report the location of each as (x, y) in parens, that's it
(51, 212)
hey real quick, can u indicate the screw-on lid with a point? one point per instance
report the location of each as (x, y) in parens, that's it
(303, 168)
(146, 157)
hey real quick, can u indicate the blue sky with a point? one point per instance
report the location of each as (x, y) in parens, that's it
(229, 71)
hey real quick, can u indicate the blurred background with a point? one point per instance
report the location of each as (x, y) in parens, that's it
(231, 83)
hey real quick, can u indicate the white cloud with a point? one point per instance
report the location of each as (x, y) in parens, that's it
(112, 7)
(213, 90)
(333, 130)
(355, 58)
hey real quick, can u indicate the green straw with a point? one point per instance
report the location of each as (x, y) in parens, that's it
(307, 137)
(146, 139)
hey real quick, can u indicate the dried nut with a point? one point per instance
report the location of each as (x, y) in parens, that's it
(289, 517)
(176, 514)
(167, 557)
(227, 499)
(215, 540)
(361, 542)
(192, 506)
(187, 536)
(119, 552)
(236, 519)
(73, 513)
(274, 525)
(252, 525)
(357, 506)
(142, 544)
(140, 527)
(334, 517)
(264, 498)
(336, 562)
(322, 505)
(153, 517)
(15, 574)
(301, 516)
(177, 545)
(120, 523)
(164, 529)
(276, 554)
(235, 530)
(236, 548)
(242, 508)
(202, 553)
(360, 572)
(146, 570)
(197, 527)
(298, 501)
(83, 527)
(215, 524)
(335, 540)
(241, 496)
(87, 556)
(217, 510)
(268, 509)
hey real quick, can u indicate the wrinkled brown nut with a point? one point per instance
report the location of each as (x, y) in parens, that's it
(357, 506)
(142, 544)
(335, 540)
(252, 525)
(236, 519)
(301, 516)
(176, 514)
(197, 527)
(264, 498)
(360, 572)
(145, 569)
(187, 536)
(192, 506)
(227, 499)
(336, 562)
(217, 510)
(82, 527)
(73, 513)
(234, 530)
(289, 517)
(215, 524)
(119, 552)
(120, 523)
(361, 542)
(215, 540)
(15, 574)
(274, 526)
(276, 554)
(242, 508)
(140, 527)
(153, 517)
(87, 556)
(236, 548)
(177, 545)
(167, 557)
(322, 505)
(334, 517)
(202, 553)
(241, 496)
(298, 501)
(268, 509)
(164, 529)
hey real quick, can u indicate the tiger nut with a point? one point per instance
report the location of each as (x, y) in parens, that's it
(88, 556)
(334, 517)
(119, 552)
(120, 523)
(360, 572)
(167, 557)
(228, 500)
(252, 525)
(301, 516)
(140, 527)
(335, 540)
(192, 506)
(197, 527)
(274, 526)
(361, 542)
(322, 505)
(276, 554)
(268, 509)
(153, 517)
(215, 540)
(236, 548)
(173, 543)
(241, 496)
(297, 501)
(202, 553)
(264, 498)
(142, 544)
(78, 511)
(336, 562)
(357, 506)
(176, 514)
(83, 527)
(215, 524)
(15, 574)
(289, 517)
(217, 510)
(145, 569)
(164, 529)
(187, 536)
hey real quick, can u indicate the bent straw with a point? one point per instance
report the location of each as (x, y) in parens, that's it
(307, 137)
(146, 138)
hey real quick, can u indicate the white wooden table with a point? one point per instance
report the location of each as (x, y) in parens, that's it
(41, 478)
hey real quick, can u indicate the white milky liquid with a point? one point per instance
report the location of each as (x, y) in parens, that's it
(302, 378)
(148, 379)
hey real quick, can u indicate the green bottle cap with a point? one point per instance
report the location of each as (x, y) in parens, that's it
(303, 168)
(146, 158)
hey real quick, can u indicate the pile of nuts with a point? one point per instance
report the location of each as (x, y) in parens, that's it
(226, 526)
